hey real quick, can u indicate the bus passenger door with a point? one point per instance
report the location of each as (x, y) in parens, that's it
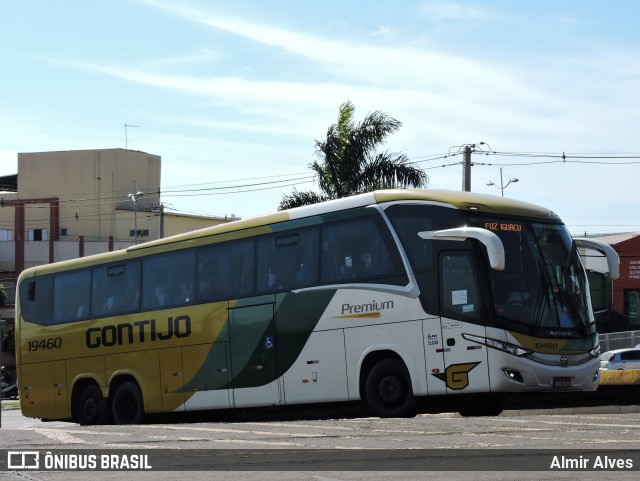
(253, 355)
(172, 379)
(465, 362)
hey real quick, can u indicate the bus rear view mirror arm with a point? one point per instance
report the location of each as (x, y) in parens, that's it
(613, 260)
(493, 244)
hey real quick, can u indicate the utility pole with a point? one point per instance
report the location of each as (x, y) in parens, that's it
(466, 150)
(134, 197)
(466, 168)
(161, 209)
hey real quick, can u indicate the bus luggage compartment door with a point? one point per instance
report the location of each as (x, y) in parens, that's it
(44, 387)
(172, 379)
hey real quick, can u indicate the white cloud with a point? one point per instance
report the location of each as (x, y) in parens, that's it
(464, 79)
(384, 31)
(198, 56)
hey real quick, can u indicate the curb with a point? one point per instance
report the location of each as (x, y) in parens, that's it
(620, 378)
(633, 409)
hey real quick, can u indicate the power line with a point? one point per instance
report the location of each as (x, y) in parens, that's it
(240, 186)
(306, 178)
(238, 180)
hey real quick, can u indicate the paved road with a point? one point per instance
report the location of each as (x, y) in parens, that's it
(277, 442)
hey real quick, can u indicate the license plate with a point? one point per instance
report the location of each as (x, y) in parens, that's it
(561, 382)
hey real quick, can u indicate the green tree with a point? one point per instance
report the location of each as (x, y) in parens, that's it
(348, 161)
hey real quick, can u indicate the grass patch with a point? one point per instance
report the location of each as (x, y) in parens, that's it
(10, 404)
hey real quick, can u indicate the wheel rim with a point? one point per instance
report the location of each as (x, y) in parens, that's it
(391, 390)
(90, 410)
(128, 407)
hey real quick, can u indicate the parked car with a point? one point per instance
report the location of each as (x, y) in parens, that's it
(620, 359)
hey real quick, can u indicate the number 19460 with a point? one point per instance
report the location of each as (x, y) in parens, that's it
(43, 344)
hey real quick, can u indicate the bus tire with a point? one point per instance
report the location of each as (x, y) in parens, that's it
(388, 390)
(127, 406)
(91, 407)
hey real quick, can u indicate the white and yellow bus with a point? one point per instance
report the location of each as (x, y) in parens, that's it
(386, 297)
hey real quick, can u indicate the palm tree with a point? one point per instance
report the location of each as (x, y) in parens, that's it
(349, 163)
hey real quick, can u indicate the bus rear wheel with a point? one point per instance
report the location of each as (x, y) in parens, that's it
(91, 407)
(388, 390)
(127, 406)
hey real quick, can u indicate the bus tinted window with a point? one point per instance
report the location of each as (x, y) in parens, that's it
(115, 289)
(168, 280)
(358, 251)
(36, 299)
(71, 296)
(287, 261)
(225, 271)
(408, 220)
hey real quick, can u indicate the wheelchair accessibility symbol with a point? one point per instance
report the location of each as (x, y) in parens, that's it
(268, 342)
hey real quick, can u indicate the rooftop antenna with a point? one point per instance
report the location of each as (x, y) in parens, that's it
(126, 137)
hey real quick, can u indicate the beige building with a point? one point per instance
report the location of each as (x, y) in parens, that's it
(63, 205)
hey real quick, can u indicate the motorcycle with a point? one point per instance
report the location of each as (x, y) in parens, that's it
(8, 386)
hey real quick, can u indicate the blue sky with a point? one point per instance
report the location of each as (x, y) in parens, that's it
(232, 95)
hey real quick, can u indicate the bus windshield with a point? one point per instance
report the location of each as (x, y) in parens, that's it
(542, 290)
(543, 284)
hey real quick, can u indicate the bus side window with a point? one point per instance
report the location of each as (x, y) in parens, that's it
(71, 296)
(359, 250)
(36, 299)
(167, 280)
(287, 261)
(115, 289)
(225, 271)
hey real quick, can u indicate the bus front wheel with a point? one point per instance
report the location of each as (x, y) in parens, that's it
(91, 407)
(388, 390)
(127, 406)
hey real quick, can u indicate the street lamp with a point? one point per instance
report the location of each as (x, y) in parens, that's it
(502, 185)
(134, 197)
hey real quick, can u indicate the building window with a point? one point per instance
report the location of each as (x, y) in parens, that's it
(37, 235)
(63, 232)
(141, 233)
(6, 234)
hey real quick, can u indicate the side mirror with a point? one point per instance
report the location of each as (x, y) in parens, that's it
(613, 259)
(493, 244)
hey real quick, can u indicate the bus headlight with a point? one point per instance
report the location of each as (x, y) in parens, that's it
(499, 345)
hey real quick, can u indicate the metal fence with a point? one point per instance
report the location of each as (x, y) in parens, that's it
(619, 340)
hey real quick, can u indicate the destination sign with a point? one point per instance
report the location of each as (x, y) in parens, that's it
(503, 226)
